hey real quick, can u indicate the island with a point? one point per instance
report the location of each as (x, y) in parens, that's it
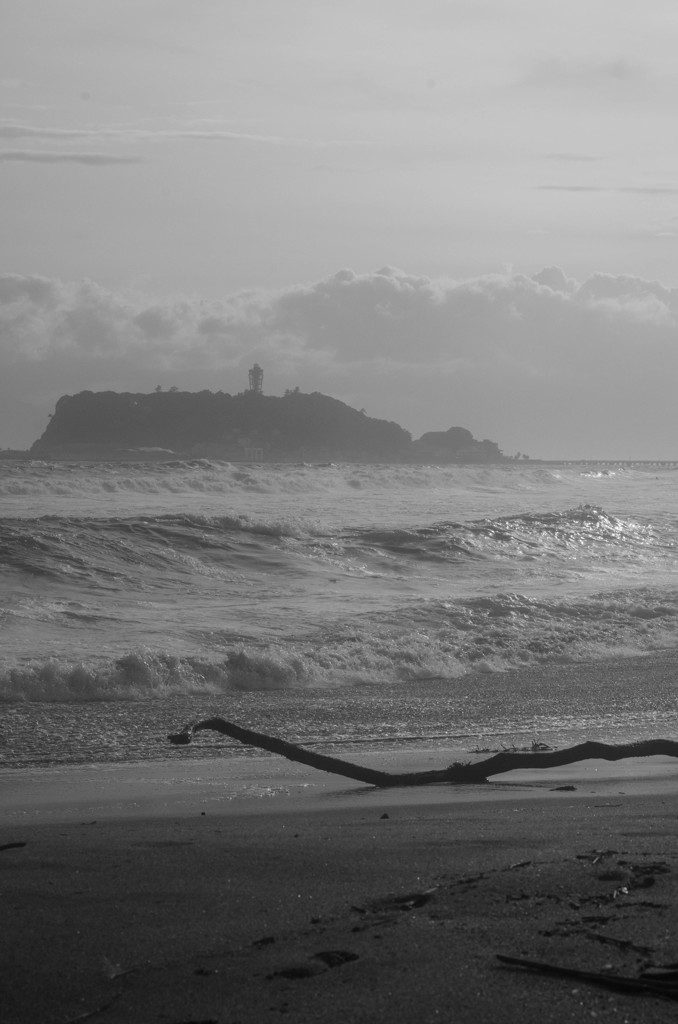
(249, 426)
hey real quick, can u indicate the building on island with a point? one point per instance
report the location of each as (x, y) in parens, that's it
(256, 375)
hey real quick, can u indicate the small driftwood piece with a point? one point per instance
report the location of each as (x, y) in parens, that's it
(660, 983)
(471, 772)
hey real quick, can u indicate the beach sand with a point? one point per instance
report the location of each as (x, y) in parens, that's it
(255, 890)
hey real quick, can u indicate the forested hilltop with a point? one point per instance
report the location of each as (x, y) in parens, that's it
(248, 426)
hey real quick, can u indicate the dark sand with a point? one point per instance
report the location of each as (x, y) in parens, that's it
(194, 910)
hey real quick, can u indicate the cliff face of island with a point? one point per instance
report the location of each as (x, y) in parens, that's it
(248, 427)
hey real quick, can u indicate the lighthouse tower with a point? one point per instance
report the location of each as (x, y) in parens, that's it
(256, 375)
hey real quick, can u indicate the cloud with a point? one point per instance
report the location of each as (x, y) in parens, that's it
(543, 364)
(571, 157)
(648, 190)
(11, 130)
(586, 73)
(24, 131)
(14, 130)
(555, 279)
(44, 157)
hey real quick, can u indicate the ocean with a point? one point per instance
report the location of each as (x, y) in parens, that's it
(334, 605)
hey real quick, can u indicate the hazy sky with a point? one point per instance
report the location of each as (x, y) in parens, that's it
(454, 212)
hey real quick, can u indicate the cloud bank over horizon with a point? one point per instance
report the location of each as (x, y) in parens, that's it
(545, 364)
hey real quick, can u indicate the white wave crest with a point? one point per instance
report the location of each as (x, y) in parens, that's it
(430, 639)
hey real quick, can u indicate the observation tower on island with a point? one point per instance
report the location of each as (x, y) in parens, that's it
(256, 375)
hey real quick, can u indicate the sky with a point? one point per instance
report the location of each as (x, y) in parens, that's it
(449, 213)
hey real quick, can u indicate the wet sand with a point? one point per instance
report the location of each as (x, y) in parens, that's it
(166, 893)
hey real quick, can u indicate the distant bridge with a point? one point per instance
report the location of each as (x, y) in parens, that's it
(613, 463)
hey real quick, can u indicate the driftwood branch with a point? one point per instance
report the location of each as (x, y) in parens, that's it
(657, 982)
(479, 771)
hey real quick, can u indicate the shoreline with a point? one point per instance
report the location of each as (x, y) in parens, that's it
(635, 697)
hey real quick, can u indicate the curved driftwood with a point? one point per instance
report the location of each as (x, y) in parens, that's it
(479, 771)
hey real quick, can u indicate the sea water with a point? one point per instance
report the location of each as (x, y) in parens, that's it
(329, 604)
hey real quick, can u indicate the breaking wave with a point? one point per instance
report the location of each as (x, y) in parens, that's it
(428, 640)
(213, 477)
(585, 538)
